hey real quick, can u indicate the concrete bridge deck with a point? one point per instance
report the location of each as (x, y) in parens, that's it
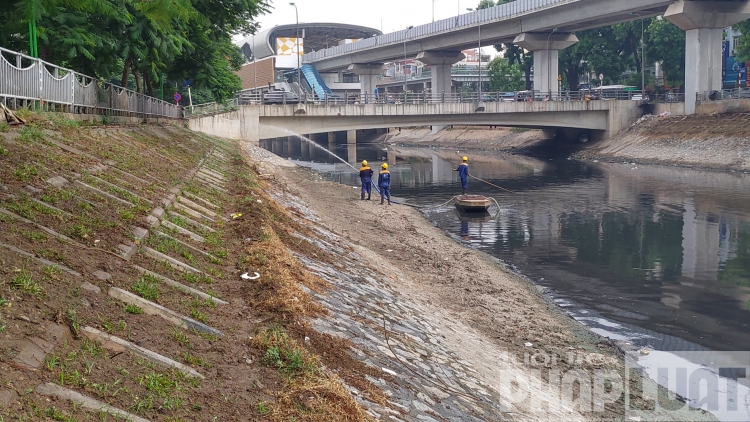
(255, 122)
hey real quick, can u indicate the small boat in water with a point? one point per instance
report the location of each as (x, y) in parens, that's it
(473, 203)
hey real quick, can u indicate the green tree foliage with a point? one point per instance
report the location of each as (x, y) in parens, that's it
(665, 43)
(138, 40)
(504, 76)
(743, 46)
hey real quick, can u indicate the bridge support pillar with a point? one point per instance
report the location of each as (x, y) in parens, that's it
(546, 48)
(440, 68)
(305, 149)
(332, 142)
(704, 23)
(367, 78)
(351, 146)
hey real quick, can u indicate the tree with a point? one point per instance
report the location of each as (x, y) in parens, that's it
(505, 76)
(138, 40)
(665, 43)
(743, 46)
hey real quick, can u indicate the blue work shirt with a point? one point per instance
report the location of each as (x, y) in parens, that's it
(384, 179)
(463, 171)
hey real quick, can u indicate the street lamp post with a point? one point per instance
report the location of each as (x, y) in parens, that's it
(404, 68)
(479, 55)
(643, 59)
(296, 14)
(549, 66)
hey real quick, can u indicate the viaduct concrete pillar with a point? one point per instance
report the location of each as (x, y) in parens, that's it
(546, 48)
(704, 23)
(440, 63)
(332, 142)
(351, 146)
(368, 74)
(277, 146)
(305, 149)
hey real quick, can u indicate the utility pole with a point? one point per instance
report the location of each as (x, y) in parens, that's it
(296, 14)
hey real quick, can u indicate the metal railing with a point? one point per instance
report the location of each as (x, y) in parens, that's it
(438, 98)
(27, 81)
(725, 94)
(505, 11)
(212, 108)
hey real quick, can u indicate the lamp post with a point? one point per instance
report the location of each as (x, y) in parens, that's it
(549, 66)
(643, 59)
(479, 55)
(408, 28)
(296, 15)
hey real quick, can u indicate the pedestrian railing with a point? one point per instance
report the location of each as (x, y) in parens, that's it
(725, 94)
(28, 81)
(211, 108)
(283, 98)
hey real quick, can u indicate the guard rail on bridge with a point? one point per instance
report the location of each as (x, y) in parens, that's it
(26, 81)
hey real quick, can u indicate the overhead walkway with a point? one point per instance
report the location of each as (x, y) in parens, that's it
(316, 82)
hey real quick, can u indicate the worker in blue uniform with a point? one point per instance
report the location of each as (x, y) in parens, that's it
(365, 175)
(463, 173)
(384, 183)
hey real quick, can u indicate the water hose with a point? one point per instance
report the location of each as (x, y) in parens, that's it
(497, 214)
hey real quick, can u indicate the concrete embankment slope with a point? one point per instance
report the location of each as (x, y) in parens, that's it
(717, 141)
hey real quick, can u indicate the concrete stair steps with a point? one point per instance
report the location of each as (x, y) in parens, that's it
(179, 286)
(197, 199)
(120, 190)
(104, 194)
(197, 207)
(213, 174)
(192, 213)
(186, 245)
(40, 260)
(184, 232)
(117, 344)
(172, 262)
(51, 389)
(127, 251)
(52, 207)
(190, 221)
(151, 308)
(134, 177)
(41, 227)
(209, 180)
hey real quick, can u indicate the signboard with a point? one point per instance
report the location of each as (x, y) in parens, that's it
(725, 50)
(601, 76)
(734, 72)
(177, 96)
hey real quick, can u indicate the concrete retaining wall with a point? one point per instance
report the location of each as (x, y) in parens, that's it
(241, 124)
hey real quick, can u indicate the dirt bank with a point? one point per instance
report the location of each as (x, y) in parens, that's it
(481, 310)
(468, 138)
(720, 141)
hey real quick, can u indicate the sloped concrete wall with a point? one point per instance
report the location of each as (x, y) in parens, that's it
(240, 124)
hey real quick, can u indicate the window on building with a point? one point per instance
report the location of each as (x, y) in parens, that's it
(735, 41)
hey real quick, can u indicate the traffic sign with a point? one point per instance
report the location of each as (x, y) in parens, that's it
(601, 76)
(177, 96)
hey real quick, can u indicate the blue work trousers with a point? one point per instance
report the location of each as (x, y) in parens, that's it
(367, 187)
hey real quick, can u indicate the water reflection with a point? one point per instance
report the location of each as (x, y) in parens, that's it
(664, 252)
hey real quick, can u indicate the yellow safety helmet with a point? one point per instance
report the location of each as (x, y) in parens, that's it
(466, 158)
(364, 163)
(385, 166)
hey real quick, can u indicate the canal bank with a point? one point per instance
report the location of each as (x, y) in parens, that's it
(403, 274)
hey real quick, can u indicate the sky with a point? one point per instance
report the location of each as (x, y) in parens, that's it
(390, 15)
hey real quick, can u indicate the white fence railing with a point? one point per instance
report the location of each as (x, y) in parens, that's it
(26, 80)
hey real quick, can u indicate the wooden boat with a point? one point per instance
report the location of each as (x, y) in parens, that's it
(473, 203)
(473, 216)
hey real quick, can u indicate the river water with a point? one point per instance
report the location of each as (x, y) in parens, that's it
(654, 256)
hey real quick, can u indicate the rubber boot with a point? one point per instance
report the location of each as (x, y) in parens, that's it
(464, 191)
(382, 199)
(362, 197)
(368, 197)
(389, 200)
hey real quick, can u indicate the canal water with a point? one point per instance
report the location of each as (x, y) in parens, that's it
(655, 257)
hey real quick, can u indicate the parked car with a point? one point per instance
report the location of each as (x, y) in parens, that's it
(508, 97)
(278, 97)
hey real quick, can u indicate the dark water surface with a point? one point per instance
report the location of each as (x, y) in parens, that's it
(658, 256)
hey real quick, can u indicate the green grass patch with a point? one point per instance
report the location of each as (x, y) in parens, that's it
(283, 352)
(25, 172)
(34, 236)
(4, 127)
(199, 316)
(24, 282)
(126, 215)
(133, 309)
(30, 133)
(180, 336)
(147, 287)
